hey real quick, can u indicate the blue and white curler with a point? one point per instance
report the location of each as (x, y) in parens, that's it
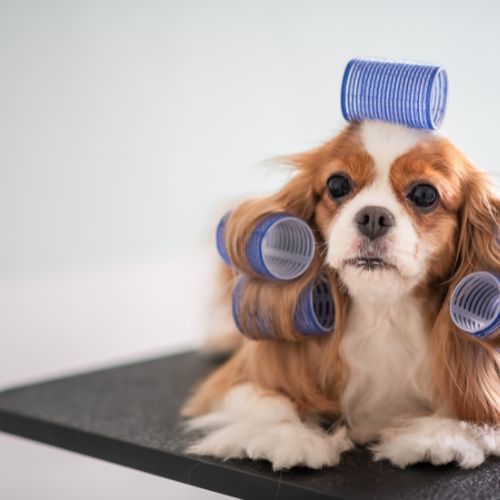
(257, 325)
(220, 234)
(315, 310)
(281, 247)
(475, 304)
(314, 313)
(406, 93)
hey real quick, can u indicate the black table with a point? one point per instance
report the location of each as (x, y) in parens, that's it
(129, 415)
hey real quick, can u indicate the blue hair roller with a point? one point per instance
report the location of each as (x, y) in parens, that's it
(220, 234)
(409, 94)
(475, 304)
(315, 310)
(314, 313)
(281, 247)
(261, 325)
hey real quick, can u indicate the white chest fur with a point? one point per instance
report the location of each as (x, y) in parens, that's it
(387, 353)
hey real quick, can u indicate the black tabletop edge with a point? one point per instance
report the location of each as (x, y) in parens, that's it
(195, 471)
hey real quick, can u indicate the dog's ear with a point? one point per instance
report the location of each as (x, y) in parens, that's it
(467, 368)
(297, 197)
(478, 246)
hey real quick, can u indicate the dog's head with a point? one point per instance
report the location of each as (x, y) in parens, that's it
(397, 210)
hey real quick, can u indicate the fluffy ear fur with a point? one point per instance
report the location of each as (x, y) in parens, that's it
(297, 198)
(468, 369)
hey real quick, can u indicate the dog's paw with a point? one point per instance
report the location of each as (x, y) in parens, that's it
(284, 444)
(288, 445)
(431, 439)
(249, 425)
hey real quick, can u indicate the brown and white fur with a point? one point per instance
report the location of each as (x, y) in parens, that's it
(396, 373)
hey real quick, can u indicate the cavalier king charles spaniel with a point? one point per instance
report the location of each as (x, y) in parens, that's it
(400, 216)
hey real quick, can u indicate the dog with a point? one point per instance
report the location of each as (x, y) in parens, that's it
(401, 215)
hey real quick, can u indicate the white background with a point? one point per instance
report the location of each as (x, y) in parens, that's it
(125, 126)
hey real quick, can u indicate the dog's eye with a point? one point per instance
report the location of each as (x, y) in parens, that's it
(423, 196)
(338, 186)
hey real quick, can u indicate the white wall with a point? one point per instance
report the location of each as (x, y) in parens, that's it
(124, 125)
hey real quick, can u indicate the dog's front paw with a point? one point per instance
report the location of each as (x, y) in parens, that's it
(430, 439)
(249, 425)
(284, 444)
(287, 445)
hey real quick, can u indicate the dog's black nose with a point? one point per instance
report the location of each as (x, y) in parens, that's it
(374, 222)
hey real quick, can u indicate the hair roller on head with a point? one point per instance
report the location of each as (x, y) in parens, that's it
(269, 311)
(280, 246)
(409, 94)
(475, 304)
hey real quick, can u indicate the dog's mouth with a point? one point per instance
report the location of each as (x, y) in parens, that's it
(370, 263)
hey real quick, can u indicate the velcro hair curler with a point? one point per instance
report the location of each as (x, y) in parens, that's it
(220, 235)
(410, 94)
(311, 314)
(475, 304)
(315, 310)
(281, 246)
